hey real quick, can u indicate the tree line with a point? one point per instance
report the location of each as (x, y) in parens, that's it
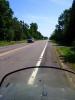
(64, 32)
(11, 29)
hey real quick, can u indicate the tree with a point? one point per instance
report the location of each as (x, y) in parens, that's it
(25, 27)
(5, 18)
(60, 31)
(34, 31)
(18, 31)
(70, 33)
(13, 29)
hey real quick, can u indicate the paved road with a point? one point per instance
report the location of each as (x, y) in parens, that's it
(11, 47)
(28, 55)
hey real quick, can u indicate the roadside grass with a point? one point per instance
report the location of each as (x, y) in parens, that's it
(6, 43)
(67, 54)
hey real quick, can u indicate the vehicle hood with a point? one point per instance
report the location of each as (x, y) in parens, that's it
(36, 92)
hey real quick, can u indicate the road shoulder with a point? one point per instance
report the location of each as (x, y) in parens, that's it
(69, 76)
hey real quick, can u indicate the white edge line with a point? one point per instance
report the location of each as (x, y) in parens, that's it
(11, 51)
(34, 73)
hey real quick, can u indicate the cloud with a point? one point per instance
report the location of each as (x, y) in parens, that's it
(38, 17)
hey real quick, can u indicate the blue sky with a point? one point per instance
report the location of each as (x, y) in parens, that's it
(44, 12)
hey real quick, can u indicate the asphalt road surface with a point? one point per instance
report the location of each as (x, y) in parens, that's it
(34, 54)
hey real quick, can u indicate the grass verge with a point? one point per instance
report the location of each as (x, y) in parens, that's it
(67, 54)
(5, 43)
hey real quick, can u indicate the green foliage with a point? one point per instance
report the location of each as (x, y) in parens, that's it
(60, 31)
(70, 33)
(12, 29)
(45, 38)
(67, 53)
(65, 30)
(5, 18)
(6, 43)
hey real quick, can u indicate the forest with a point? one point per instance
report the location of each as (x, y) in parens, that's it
(64, 32)
(12, 29)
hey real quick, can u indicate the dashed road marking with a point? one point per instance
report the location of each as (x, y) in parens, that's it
(34, 73)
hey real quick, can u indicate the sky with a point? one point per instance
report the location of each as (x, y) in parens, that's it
(44, 12)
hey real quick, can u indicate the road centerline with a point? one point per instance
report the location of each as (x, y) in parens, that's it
(34, 73)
